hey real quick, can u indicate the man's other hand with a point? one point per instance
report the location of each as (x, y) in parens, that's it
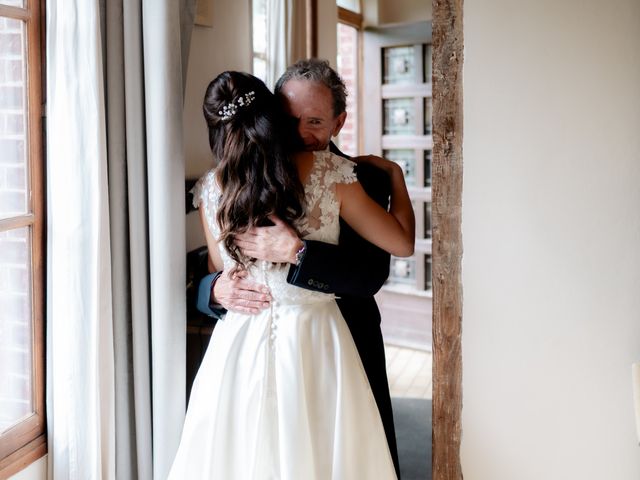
(238, 294)
(278, 243)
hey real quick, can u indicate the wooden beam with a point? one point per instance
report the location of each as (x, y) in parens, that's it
(16, 13)
(19, 221)
(23, 457)
(312, 28)
(447, 237)
(350, 17)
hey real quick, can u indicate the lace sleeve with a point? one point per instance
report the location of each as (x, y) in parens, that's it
(342, 170)
(206, 194)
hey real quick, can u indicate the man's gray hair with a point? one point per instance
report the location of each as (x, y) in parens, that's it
(317, 70)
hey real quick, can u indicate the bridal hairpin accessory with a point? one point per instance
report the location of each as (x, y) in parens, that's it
(230, 109)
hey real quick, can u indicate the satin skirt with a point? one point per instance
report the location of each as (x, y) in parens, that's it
(283, 395)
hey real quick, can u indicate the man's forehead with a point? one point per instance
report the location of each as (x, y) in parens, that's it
(303, 85)
(308, 96)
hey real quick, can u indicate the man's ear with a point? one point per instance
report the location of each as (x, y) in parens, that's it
(340, 119)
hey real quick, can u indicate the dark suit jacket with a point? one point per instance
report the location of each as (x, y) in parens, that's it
(354, 270)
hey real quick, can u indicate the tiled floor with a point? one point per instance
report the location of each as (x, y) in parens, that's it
(409, 372)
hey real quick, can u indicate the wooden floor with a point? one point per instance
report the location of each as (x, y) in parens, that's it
(409, 372)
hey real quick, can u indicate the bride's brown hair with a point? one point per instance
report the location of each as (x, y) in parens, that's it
(251, 139)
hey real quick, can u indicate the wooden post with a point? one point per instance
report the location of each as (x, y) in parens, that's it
(311, 14)
(447, 237)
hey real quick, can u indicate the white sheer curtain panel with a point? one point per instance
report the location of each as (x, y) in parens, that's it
(286, 36)
(115, 248)
(80, 357)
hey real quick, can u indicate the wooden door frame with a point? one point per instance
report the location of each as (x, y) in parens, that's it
(447, 237)
(311, 18)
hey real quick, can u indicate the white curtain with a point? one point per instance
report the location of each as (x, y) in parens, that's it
(286, 36)
(115, 236)
(80, 388)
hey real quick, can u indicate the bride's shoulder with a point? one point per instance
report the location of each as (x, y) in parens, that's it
(340, 169)
(206, 188)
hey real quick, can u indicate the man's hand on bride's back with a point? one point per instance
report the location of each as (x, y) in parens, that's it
(238, 294)
(278, 243)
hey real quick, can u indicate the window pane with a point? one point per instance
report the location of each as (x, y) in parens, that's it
(259, 34)
(353, 5)
(428, 126)
(12, 3)
(399, 65)
(402, 271)
(428, 159)
(259, 26)
(16, 395)
(427, 63)
(260, 68)
(399, 116)
(348, 70)
(428, 282)
(406, 158)
(13, 115)
(427, 220)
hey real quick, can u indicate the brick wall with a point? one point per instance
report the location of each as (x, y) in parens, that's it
(348, 69)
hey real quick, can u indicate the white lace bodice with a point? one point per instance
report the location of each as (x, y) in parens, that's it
(321, 221)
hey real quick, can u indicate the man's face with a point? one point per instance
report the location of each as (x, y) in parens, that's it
(311, 104)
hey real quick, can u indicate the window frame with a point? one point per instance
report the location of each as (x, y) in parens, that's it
(351, 18)
(26, 441)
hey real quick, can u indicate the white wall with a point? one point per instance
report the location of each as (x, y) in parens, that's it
(225, 46)
(403, 11)
(384, 12)
(35, 471)
(551, 226)
(328, 31)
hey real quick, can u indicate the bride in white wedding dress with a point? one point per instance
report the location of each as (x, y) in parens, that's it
(282, 394)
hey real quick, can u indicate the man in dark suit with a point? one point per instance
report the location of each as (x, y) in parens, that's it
(354, 270)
